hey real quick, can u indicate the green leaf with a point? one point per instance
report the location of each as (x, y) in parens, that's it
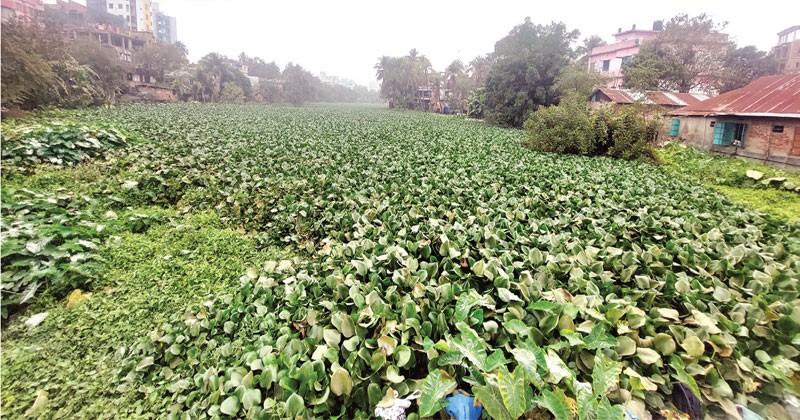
(512, 390)
(607, 411)
(230, 406)
(647, 356)
(605, 374)
(517, 327)
(251, 398)
(693, 346)
(555, 402)
(438, 384)
(402, 355)
(465, 302)
(471, 346)
(532, 362)
(492, 402)
(295, 406)
(664, 344)
(599, 339)
(341, 383)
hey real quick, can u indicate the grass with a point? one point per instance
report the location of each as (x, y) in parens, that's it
(728, 176)
(177, 263)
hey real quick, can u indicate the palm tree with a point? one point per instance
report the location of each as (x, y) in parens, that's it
(479, 68)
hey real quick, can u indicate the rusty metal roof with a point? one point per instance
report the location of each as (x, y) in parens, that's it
(667, 99)
(769, 96)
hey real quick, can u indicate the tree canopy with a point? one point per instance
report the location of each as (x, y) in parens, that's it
(529, 60)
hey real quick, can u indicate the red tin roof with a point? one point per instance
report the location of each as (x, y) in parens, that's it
(769, 96)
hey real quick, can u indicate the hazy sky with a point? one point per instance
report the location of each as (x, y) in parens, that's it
(345, 38)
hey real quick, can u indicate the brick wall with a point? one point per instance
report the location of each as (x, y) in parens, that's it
(761, 142)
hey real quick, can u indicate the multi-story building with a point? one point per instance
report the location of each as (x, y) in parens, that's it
(608, 59)
(787, 52)
(25, 10)
(138, 14)
(165, 27)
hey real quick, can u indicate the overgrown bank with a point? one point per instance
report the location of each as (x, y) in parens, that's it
(767, 189)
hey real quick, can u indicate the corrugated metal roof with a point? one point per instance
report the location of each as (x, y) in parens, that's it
(767, 96)
(668, 99)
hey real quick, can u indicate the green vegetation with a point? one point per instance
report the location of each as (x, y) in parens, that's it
(570, 127)
(405, 251)
(774, 193)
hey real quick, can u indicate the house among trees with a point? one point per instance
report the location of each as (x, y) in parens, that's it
(787, 52)
(608, 59)
(759, 121)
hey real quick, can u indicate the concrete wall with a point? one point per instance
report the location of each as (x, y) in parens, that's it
(760, 142)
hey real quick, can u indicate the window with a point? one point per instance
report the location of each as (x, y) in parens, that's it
(127, 7)
(729, 134)
(606, 65)
(675, 128)
(777, 128)
(110, 5)
(119, 6)
(713, 123)
(627, 59)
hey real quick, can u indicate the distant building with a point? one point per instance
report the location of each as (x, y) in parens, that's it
(759, 121)
(139, 15)
(165, 27)
(25, 10)
(336, 80)
(608, 59)
(787, 52)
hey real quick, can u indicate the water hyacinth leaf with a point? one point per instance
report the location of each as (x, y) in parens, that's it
(251, 398)
(516, 326)
(694, 346)
(464, 304)
(230, 406)
(437, 385)
(647, 356)
(402, 355)
(626, 346)
(556, 368)
(295, 406)
(341, 383)
(664, 344)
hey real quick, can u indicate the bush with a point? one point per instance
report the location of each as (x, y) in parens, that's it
(561, 129)
(571, 128)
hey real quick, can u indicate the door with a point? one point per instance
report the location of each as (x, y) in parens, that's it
(796, 143)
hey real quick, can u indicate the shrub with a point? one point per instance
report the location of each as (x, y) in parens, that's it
(565, 128)
(571, 128)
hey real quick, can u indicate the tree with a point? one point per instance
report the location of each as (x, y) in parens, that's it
(479, 68)
(590, 43)
(688, 55)
(160, 58)
(29, 53)
(743, 65)
(213, 71)
(529, 59)
(297, 84)
(577, 79)
(257, 67)
(231, 92)
(105, 62)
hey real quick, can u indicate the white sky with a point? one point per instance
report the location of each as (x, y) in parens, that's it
(345, 38)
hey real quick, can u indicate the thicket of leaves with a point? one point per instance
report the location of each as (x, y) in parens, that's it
(57, 142)
(571, 128)
(441, 254)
